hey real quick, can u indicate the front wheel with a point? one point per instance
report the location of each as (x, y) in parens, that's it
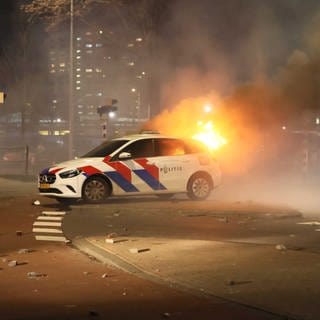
(95, 190)
(199, 186)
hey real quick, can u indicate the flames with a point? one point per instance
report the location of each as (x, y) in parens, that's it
(208, 135)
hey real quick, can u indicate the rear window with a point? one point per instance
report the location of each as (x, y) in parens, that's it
(105, 149)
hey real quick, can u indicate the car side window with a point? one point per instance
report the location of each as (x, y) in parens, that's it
(170, 147)
(140, 149)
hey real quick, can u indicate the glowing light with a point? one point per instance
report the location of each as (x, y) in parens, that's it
(207, 108)
(209, 136)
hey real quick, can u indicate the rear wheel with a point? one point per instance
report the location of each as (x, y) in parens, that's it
(199, 186)
(95, 189)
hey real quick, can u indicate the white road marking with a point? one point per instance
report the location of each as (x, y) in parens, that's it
(47, 224)
(52, 238)
(46, 230)
(54, 213)
(50, 218)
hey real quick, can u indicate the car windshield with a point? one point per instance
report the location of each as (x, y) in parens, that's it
(105, 148)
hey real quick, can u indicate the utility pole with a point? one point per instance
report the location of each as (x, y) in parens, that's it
(71, 107)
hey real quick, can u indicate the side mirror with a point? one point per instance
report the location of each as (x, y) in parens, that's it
(124, 155)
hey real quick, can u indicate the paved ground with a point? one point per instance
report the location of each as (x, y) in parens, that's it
(252, 254)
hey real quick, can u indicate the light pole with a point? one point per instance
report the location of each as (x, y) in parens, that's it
(71, 113)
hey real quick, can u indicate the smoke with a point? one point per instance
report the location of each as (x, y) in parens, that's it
(259, 70)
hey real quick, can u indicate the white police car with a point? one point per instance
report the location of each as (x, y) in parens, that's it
(142, 164)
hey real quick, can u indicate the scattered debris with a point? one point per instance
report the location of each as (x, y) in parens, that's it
(105, 275)
(21, 251)
(311, 223)
(19, 233)
(33, 275)
(136, 250)
(112, 235)
(281, 247)
(13, 263)
(36, 203)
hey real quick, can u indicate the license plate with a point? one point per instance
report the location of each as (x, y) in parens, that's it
(44, 185)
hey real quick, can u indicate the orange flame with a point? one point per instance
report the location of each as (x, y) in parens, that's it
(209, 136)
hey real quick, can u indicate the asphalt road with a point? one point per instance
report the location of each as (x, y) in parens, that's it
(254, 255)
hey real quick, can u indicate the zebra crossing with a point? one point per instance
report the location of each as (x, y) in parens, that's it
(48, 226)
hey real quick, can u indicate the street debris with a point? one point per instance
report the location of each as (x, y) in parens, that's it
(34, 275)
(311, 223)
(22, 251)
(136, 250)
(93, 313)
(281, 247)
(112, 235)
(13, 263)
(36, 203)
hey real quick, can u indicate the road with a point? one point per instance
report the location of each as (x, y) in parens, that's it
(199, 260)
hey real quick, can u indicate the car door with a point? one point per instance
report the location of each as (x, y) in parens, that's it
(174, 163)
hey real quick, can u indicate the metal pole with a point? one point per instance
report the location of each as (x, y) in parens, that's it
(71, 113)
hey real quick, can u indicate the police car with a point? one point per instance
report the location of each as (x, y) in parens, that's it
(142, 164)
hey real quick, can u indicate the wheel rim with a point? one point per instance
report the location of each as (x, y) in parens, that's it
(200, 188)
(95, 190)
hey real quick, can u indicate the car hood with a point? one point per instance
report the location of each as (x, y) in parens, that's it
(73, 164)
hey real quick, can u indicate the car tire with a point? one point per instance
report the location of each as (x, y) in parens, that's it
(95, 190)
(199, 186)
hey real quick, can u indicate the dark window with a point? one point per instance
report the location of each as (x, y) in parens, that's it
(170, 147)
(105, 148)
(140, 149)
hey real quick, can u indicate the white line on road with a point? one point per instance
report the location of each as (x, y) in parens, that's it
(46, 230)
(53, 213)
(312, 223)
(47, 224)
(51, 238)
(50, 218)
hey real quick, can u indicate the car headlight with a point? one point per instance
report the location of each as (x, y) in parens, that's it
(70, 173)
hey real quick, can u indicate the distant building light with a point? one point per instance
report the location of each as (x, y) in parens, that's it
(139, 39)
(98, 70)
(112, 114)
(133, 90)
(98, 45)
(78, 51)
(58, 120)
(80, 112)
(284, 128)
(88, 33)
(89, 70)
(100, 32)
(78, 69)
(89, 51)
(143, 73)
(78, 57)
(78, 38)
(54, 101)
(62, 64)
(99, 94)
(89, 45)
(131, 63)
(130, 45)
(80, 106)
(78, 81)
(78, 88)
(317, 120)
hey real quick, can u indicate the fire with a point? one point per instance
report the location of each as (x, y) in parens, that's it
(209, 136)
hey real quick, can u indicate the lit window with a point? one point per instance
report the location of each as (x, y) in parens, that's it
(62, 64)
(54, 101)
(100, 31)
(78, 57)
(98, 45)
(88, 45)
(80, 106)
(89, 70)
(78, 88)
(52, 65)
(98, 70)
(78, 75)
(130, 45)
(78, 38)
(88, 33)
(78, 81)
(131, 63)
(99, 94)
(139, 39)
(89, 51)
(78, 69)
(78, 51)
(80, 112)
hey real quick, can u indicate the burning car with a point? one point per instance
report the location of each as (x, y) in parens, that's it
(142, 164)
